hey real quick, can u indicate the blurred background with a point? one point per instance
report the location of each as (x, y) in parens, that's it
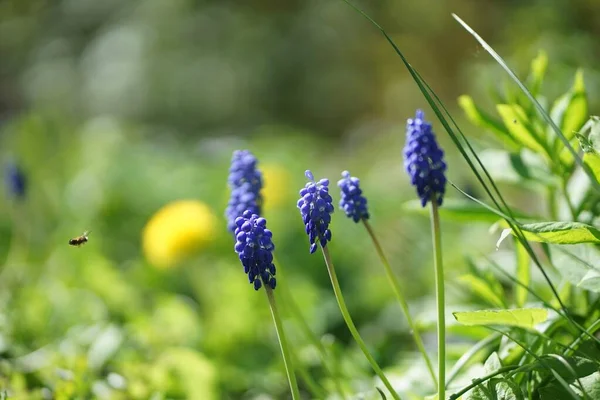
(120, 117)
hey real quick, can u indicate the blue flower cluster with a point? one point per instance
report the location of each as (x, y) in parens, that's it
(254, 246)
(15, 181)
(424, 160)
(245, 182)
(352, 202)
(316, 207)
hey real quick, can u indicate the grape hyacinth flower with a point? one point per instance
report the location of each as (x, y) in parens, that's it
(352, 202)
(245, 182)
(15, 180)
(424, 160)
(254, 247)
(316, 206)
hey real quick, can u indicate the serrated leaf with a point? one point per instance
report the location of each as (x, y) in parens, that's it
(482, 120)
(482, 289)
(516, 122)
(521, 317)
(557, 233)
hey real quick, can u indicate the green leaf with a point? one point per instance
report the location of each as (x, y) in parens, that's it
(538, 71)
(524, 168)
(541, 111)
(482, 289)
(558, 232)
(482, 120)
(522, 317)
(579, 365)
(499, 387)
(576, 112)
(592, 160)
(593, 125)
(516, 121)
(523, 273)
(576, 266)
(590, 383)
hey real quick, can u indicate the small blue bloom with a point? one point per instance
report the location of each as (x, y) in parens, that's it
(245, 182)
(254, 246)
(424, 160)
(316, 206)
(352, 202)
(15, 180)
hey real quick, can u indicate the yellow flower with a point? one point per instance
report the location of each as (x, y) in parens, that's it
(176, 230)
(276, 186)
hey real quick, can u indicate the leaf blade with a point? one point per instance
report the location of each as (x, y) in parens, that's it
(521, 317)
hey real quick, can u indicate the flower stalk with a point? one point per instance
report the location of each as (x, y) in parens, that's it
(401, 300)
(440, 295)
(348, 319)
(283, 344)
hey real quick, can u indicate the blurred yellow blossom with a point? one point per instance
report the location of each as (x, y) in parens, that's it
(176, 230)
(276, 185)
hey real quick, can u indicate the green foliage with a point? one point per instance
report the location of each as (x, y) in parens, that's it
(557, 232)
(521, 317)
(102, 322)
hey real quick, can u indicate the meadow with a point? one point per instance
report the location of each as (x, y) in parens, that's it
(316, 200)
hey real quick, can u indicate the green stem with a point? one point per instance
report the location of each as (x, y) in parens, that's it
(400, 297)
(439, 291)
(479, 381)
(466, 357)
(348, 319)
(290, 304)
(285, 352)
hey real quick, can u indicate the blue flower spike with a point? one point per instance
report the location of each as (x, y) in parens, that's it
(316, 207)
(352, 201)
(254, 246)
(16, 183)
(245, 182)
(424, 160)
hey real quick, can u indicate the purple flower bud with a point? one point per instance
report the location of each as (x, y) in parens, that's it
(316, 208)
(254, 247)
(245, 182)
(352, 201)
(424, 160)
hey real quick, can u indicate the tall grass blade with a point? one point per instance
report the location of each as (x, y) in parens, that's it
(531, 98)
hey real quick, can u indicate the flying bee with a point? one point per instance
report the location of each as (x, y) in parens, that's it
(79, 240)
